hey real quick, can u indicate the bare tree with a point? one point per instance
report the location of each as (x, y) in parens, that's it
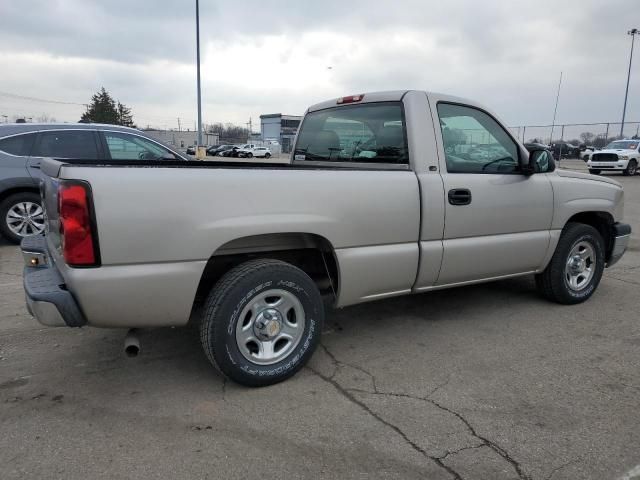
(46, 118)
(587, 137)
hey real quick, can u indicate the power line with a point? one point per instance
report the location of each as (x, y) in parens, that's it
(42, 100)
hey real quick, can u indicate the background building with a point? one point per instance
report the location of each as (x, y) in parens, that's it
(182, 139)
(283, 128)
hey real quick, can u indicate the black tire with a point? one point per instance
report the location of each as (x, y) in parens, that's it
(267, 155)
(222, 312)
(7, 204)
(594, 171)
(552, 282)
(249, 155)
(631, 169)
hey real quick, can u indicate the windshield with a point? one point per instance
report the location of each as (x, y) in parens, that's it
(371, 133)
(623, 145)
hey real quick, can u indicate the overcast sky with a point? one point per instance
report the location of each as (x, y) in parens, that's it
(274, 56)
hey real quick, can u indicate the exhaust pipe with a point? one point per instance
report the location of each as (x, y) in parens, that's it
(132, 343)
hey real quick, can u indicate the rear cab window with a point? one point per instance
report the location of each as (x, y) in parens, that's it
(373, 133)
(18, 145)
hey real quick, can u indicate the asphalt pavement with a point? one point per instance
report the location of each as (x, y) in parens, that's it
(482, 382)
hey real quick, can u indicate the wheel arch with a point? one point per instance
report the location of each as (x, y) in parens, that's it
(18, 188)
(312, 253)
(601, 221)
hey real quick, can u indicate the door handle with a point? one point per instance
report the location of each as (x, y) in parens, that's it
(460, 196)
(35, 165)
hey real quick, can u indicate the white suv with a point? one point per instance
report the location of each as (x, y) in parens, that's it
(620, 155)
(249, 151)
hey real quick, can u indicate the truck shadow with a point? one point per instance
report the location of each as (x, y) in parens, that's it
(179, 350)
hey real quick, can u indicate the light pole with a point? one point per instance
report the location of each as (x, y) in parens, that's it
(6, 118)
(633, 32)
(199, 152)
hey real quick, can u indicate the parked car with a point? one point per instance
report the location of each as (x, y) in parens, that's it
(213, 150)
(585, 151)
(22, 147)
(232, 151)
(253, 255)
(254, 152)
(564, 150)
(191, 150)
(620, 155)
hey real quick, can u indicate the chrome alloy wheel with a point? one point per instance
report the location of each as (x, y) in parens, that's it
(270, 327)
(25, 219)
(581, 266)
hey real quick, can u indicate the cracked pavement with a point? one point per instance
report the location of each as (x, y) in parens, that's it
(483, 382)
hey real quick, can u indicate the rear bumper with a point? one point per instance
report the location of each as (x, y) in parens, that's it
(47, 297)
(621, 236)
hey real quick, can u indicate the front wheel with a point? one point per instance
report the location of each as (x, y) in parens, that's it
(21, 215)
(575, 269)
(267, 155)
(594, 171)
(249, 155)
(631, 169)
(262, 322)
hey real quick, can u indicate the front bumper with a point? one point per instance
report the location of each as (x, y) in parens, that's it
(621, 236)
(619, 165)
(48, 299)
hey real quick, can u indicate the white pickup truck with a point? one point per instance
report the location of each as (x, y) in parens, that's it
(620, 155)
(386, 194)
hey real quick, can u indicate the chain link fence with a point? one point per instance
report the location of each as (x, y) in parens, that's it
(591, 134)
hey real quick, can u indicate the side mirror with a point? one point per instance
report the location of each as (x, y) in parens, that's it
(537, 158)
(168, 156)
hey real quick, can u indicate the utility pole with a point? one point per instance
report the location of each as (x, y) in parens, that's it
(179, 125)
(555, 110)
(633, 32)
(6, 118)
(200, 151)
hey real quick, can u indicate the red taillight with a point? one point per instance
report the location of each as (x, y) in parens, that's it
(75, 225)
(350, 99)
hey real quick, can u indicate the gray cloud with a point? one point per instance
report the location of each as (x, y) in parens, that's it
(506, 54)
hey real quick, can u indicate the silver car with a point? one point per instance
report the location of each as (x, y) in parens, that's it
(24, 145)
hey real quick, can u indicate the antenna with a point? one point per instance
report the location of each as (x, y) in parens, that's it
(555, 110)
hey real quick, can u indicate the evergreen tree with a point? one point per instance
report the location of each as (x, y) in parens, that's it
(124, 116)
(104, 109)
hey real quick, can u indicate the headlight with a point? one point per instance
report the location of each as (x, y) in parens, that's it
(623, 157)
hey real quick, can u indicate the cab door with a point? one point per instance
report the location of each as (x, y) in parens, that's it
(497, 219)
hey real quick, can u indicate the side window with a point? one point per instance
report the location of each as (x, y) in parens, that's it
(368, 133)
(79, 144)
(474, 142)
(123, 146)
(19, 145)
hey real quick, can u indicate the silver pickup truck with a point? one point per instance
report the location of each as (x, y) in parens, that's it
(386, 194)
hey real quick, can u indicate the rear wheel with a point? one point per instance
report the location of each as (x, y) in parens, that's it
(632, 168)
(594, 171)
(249, 155)
(21, 216)
(575, 269)
(267, 155)
(262, 322)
